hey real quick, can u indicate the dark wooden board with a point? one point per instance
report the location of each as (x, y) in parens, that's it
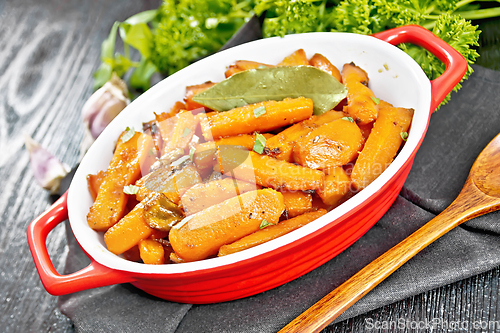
(48, 52)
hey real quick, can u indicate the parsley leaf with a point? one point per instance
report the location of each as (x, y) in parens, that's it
(264, 224)
(129, 133)
(261, 110)
(295, 16)
(260, 143)
(192, 150)
(130, 189)
(191, 29)
(186, 132)
(404, 135)
(170, 38)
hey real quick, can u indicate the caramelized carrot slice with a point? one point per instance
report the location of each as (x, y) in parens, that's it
(361, 102)
(231, 70)
(204, 233)
(332, 144)
(382, 144)
(271, 232)
(267, 171)
(193, 90)
(151, 252)
(205, 154)
(243, 120)
(297, 203)
(128, 232)
(124, 169)
(281, 145)
(321, 62)
(337, 184)
(94, 182)
(177, 131)
(205, 195)
(243, 65)
(297, 58)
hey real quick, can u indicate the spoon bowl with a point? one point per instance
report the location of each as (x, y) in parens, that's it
(483, 171)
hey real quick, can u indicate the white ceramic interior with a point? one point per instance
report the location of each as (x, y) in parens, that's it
(393, 75)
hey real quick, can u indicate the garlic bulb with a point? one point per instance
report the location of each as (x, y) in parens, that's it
(104, 105)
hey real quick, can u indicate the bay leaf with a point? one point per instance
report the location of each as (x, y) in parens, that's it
(263, 84)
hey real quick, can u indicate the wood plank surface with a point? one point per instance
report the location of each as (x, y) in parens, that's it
(48, 52)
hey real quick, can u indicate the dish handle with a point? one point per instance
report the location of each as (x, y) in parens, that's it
(456, 65)
(93, 276)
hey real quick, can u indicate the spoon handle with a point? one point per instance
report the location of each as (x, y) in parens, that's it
(470, 203)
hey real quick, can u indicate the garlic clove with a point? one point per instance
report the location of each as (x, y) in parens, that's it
(109, 110)
(104, 105)
(47, 170)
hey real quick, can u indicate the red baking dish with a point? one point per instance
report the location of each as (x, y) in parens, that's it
(394, 77)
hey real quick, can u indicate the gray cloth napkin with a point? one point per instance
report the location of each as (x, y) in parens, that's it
(457, 134)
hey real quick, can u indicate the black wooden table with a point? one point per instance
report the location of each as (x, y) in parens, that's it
(48, 52)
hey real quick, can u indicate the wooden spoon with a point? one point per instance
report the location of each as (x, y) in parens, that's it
(480, 195)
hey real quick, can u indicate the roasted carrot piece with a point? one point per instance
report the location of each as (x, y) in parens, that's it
(246, 64)
(361, 102)
(175, 258)
(204, 233)
(244, 140)
(182, 180)
(281, 145)
(177, 131)
(151, 252)
(151, 127)
(243, 65)
(332, 144)
(271, 232)
(297, 58)
(128, 232)
(124, 169)
(204, 195)
(297, 203)
(94, 182)
(382, 144)
(353, 73)
(267, 171)
(337, 184)
(243, 120)
(231, 70)
(178, 107)
(365, 129)
(193, 90)
(321, 62)
(172, 183)
(204, 156)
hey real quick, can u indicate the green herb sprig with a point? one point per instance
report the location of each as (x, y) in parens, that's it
(447, 19)
(182, 31)
(170, 38)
